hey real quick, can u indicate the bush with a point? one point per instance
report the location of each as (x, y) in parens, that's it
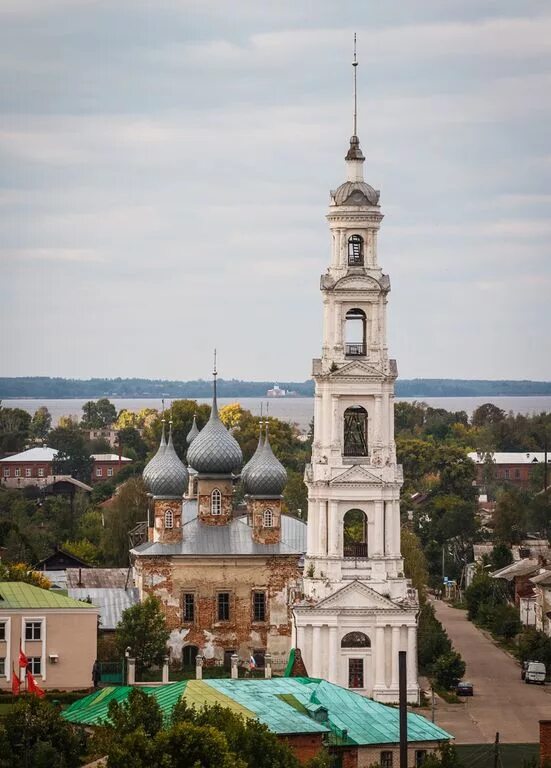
(433, 640)
(449, 669)
(505, 621)
(535, 646)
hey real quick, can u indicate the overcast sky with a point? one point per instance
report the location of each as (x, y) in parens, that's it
(165, 169)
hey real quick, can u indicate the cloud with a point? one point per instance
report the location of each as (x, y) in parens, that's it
(51, 254)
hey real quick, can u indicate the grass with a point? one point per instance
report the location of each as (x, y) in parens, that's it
(449, 696)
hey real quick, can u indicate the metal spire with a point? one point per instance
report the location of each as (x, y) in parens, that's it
(354, 67)
(214, 411)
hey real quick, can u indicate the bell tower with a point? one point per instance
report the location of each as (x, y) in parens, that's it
(359, 610)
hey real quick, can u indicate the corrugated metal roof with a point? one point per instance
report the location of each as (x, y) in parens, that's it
(98, 578)
(282, 704)
(33, 454)
(17, 594)
(235, 538)
(518, 568)
(108, 457)
(510, 457)
(110, 601)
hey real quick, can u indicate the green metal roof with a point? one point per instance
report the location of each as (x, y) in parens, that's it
(286, 705)
(18, 594)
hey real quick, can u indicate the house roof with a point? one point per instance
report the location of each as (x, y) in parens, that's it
(287, 705)
(234, 538)
(98, 578)
(59, 560)
(18, 594)
(108, 457)
(510, 457)
(542, 578)
(519, 568)
(110, 601)
(33, 454)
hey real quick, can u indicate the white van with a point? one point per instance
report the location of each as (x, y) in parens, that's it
(535, 672)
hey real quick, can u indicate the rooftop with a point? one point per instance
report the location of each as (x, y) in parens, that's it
(33, 454)
(110, 601)
(17, 594)
(108, 457)
(98, 578)
(518, 457)
(283, 704)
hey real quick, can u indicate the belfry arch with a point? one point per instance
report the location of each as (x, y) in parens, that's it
(355, 430)
(355, 333)
(354, 534)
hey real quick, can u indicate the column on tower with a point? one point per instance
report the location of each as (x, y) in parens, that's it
(412, 657)
(333, 544)
(322, 527)
(395, 649)
(378, 544)
(380, 661)
(333, 657)
(396, 528)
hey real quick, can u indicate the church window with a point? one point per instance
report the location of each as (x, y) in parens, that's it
(259, 606)
(189, 655)
(216, 502)
(420, 757)
(169, 519)
(355, 431)
(355, 333)
(355, 534)
(268, 518)
(355, 673)
(355, 251)
(188, 606)
(355, 640)
(223, 606)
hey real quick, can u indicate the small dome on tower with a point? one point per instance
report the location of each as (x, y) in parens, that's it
(252, 461)
(355, 193)
(149, 469)
(193, 432)
(214, 451)
(168, 476)
(267, 476)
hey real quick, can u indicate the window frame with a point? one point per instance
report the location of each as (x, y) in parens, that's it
(3, 666)
(3, 633)
(359, 672)
(32, 623)
(359, 414)
(35, 665)
(216, 502)
(223, 606)
(6, 472)
(420, 757)
(268, 518)
(40, 472)
(28, 471)
(259, 609)
(169, 519)
(355, 251)
(99, 471)
(185, 605)
(386, 758)
(17, 472)
(109, 471)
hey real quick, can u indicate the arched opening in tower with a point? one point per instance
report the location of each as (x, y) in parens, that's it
(355, 431)
(355, 534)
(355, 333)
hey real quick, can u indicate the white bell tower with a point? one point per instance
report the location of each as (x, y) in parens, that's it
(359, 609)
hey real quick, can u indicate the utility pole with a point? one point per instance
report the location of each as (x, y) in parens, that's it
(433, 702)
(402, 685)
(496, 750)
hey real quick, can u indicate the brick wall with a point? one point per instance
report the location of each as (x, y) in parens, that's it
(205, 487)
(256, 508)
(304, 745)
(161, 532)
(545, 741)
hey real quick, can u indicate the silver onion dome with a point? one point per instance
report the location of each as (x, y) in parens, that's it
(149, 469)
(168, 477)
(193, 432)
(214, 451)
(267, 477)
(252, 461)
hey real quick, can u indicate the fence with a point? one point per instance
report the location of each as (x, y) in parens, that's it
(498, 755)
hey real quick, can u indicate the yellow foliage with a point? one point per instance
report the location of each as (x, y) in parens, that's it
(21, 572)
(231, 415)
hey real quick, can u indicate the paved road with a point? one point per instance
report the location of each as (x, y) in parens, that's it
(502, 701)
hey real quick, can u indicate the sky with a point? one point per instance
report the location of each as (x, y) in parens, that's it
(165, 169)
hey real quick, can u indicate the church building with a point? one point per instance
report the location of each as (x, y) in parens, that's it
(358, 609)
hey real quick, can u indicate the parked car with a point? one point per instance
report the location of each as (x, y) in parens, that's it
(535, 672)
(464, 688)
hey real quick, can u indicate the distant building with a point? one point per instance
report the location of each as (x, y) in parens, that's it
(512, 467)
(276, 391)
(56, 633)
(105, 433)
(36, 467)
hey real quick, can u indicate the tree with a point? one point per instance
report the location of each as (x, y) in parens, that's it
(41, 423)
(96, 415)
(500, 556)
(487, 414)
(295, 495)
(449, 668)
(14, 429)
(34, 735)
(73, 452)
(139, 710)
(128, 508)
(143, 629)
(483, 591)
(22, 572)
(84, 550)
(415, 562)
(131, 440)
(432, 638)
(505, 621)
(510, 515)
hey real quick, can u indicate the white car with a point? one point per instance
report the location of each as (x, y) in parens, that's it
(535, 673)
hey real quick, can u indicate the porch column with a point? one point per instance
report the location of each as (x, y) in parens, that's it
(378, 544)
(316, 651)
(412, 656)
(395, 649)
(378, 418)
(333, 543)
(300, 638)
(333, 655)
(379, 657)
(322, 528)
(396, 528)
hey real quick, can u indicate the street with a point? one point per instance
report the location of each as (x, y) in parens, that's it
(502, 701)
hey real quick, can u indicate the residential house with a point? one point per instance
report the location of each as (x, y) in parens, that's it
(512, 467)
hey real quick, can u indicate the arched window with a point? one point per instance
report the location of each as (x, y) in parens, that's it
(169, 519)
(355, 640)
(355, 333)
(216, 502)
(355, 431)
(189, 654)
(268, 518)
(355, 251)
(355, 534)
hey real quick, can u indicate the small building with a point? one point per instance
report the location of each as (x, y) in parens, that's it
(304, 712)
(56, 633)
(511, 467)
(107, 465)
(109, 434)
(542, 601)
(519, 574)
(110, 601)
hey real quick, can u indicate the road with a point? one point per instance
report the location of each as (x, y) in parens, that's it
(502, 701)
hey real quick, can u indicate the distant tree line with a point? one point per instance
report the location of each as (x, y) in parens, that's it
(58, 388)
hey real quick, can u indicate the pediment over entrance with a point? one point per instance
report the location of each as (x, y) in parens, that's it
(354, 369)
(357, 595)
(354, 475)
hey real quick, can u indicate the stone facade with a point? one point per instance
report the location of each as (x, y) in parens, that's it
(257, 510)
(205, 488)
(167, 520)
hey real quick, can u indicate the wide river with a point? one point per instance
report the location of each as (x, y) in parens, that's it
(294, 409)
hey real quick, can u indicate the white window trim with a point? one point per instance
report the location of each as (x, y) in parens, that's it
(169, 519)
(24, 642)
(218, 497)
(17, 472)
(28, 471)
(109, 471)
(7, 621)
(40, 471)
(268, 518)
(99, 472)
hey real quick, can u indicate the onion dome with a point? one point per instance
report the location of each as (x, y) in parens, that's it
(268, 476)
(355, 193)
(214, 451)
(250, 464)
(193, 432)
(149, 469)
(168, 477)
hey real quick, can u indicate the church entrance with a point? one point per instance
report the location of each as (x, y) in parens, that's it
(189, 654)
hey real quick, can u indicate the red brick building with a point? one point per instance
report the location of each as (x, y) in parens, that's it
(35, 467)
(512, 467)
(107, 465)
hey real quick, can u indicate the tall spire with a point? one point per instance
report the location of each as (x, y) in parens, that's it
(354, 67)
(214, 397)
(354, 152)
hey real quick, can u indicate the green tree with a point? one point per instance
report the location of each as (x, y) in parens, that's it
(139, 710)
(84, 550)
(128, 508)
(448, 669)
(485, 414)
(295, 495)
(14, 429)
(98, 414)
(131, 441)
(415, 562)
(432, 639)
(483, 591)
(74, 452)
(500, 556)
(143, 629)
(505, 621)
(41, 423)
(510, 515)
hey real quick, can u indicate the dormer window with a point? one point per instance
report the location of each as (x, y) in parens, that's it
(216, 502)
(355, 251)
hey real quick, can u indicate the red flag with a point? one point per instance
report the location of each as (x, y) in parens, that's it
(23, 660)
(33, 687)
(15, 682)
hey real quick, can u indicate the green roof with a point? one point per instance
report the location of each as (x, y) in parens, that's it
(286, 705)
(18, 594)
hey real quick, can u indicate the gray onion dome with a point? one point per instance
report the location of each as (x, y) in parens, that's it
(149, 469)
(169, 477)
(214, 451)
(267, 477)
(193, 432)
(250, 464)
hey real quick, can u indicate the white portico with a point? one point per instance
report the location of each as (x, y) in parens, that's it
(359, 610)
